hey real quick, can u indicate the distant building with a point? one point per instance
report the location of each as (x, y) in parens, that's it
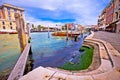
(93, 27)
(7, 19)
(69, 25)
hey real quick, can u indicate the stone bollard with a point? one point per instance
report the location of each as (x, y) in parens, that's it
(21, 30)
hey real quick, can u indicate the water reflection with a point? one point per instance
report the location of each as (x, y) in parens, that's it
(9, 50)
(41, 44)
(52, 51)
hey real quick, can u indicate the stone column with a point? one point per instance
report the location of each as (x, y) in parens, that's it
(21, 31)
(28, 29)
(28, 32)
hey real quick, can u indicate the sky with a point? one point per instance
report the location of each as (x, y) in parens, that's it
(52, 12)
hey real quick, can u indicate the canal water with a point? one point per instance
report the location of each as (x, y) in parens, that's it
(53, 51)
(9, 51)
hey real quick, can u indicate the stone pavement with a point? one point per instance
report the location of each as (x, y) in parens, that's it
(112, 38)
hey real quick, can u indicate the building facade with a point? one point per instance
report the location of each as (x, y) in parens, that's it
(116, 18)
(7, 19)
(110, 12)
(110, 17)
(116, 10)
(102, 20)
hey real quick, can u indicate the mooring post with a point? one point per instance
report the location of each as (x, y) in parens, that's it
(67, 33)
(48, 32)
(21, 31)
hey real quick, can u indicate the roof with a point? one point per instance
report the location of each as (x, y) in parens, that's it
(11, 6)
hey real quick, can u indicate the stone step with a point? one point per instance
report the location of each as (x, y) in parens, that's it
(39, 73)
(60, 70)
(113, 74)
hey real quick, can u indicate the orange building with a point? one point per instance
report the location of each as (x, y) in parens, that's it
(116, 18)
(102, 20)
(109, 17)
(110, 12)
(7, 19)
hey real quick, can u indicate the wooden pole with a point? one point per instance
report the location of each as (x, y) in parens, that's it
(21, 31)
(67, 33)
(48, 32)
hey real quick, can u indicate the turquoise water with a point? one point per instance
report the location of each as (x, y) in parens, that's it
(9, 51)
(44, 49)
(53, 51)
(42, 45)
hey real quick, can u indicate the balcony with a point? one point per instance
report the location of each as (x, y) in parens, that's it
(117, 9)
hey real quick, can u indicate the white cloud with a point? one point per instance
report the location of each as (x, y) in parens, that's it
(32, 20)
(85, 11)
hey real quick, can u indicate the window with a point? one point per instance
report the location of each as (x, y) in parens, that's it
(9, 17)
(11, 27)
(15, 10)
(3, 23)
(116, 15)
(10, 23)
(8, 11)
(3, 27)
(20, 13)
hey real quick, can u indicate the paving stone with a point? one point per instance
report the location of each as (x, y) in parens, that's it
(106, 65)
(60, 70)
(111, 75)
(71, 77)
(59, 76)
(112, 38)
(39, 73)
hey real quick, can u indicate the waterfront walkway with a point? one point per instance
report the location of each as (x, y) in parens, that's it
(112, 38)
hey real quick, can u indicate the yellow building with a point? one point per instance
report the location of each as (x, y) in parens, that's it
(7, 19)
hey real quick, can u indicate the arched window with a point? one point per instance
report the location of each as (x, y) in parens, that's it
(4, 27)
(15, 10)
(20, 13)
(10, 23)
(116, 15)
(11, 27)
(3, 23)
(8, 10)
